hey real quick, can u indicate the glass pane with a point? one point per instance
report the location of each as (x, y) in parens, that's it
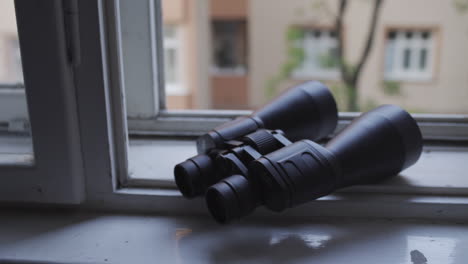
(238, 54)
(15, 136)
(406, 58)
(422, 59)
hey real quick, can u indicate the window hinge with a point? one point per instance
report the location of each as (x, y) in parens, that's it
(72, 31)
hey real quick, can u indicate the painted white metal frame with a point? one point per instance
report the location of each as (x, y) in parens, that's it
(56, 176)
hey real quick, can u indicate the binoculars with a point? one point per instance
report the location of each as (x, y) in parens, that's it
(272, 157)
(307, 111)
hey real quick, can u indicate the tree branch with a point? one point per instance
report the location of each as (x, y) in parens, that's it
(324, 8)
(339, 35)
(369, 42)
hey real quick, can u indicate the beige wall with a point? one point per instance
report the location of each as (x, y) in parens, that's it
(232, 9)
(229, 92)
(8, 34)
(175, 11)
(446, 93)
(192, 17)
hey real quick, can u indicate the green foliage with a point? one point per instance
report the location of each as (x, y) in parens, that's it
(295, 57)
(349, 68)
(339, 92)
(294, 33)
(271, 86)
(369, 105)
(461, 6)
(413, 110)
(328, 60)
(391, 88)
(353, 105)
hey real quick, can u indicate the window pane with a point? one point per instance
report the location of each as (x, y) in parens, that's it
(406, 58)
(422, 59)
(229, 46)
(170, 65)
(15, 136)
(239, 54)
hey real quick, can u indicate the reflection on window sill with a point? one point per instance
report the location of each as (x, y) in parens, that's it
(54, 237)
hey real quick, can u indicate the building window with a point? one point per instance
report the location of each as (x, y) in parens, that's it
(229, 46)
(320, 55)
(408, 55)
(172, 60)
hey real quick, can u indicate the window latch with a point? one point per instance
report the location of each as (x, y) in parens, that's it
(72, 31)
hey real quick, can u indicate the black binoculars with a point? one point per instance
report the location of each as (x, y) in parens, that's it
(269, 166)
(306, 111)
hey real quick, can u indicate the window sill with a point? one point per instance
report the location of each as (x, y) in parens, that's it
(434, 188)
(440, 170)
(59, 237)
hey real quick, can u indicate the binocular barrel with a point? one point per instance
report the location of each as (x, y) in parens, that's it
(377, 145)
(304, 111)
(307, 111)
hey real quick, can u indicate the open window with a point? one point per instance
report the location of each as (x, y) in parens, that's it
(144, 88)
(216, 43)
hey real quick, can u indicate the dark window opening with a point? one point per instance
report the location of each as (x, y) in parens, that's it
(229, 45)
(423, 59)
(406, 58)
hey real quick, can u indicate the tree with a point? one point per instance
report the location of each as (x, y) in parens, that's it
(350, 75)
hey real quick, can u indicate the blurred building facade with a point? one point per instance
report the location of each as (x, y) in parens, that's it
(10, 58)
(230, 51)
(224, 54)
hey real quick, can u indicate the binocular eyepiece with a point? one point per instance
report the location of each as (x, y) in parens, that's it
(375, 146)
(306, 111)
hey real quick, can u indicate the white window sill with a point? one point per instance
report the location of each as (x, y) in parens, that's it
(434, 188)
(440, 170)
(47, 237)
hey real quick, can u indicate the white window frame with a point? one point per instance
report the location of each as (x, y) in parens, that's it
(399, 44)
(56, 175)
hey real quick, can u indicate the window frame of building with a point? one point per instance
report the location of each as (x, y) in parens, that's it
(241, 32)
(174, 43)
(96, 117)
(414, 46)
(315, 70)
